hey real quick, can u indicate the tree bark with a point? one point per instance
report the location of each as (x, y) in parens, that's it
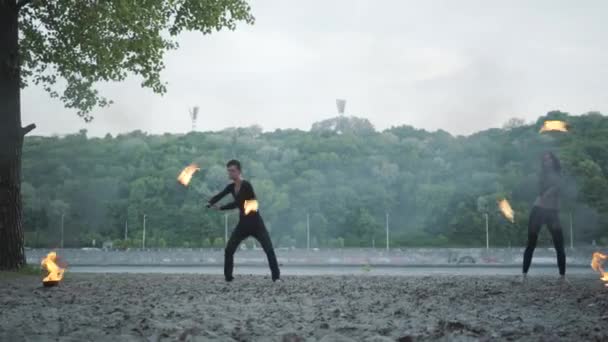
(12, 254)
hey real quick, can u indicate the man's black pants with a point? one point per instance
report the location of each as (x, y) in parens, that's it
(250, 225)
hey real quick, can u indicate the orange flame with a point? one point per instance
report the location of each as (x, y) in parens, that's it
(186, 175)
(554, 125)
(250, 206)
(597, 264)
(506, 210)
(50, 265)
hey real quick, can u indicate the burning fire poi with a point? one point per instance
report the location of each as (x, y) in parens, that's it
(186, 175)
(506, 210)
(55, 272)
(597, 264)
(250, 206)
(554, 125)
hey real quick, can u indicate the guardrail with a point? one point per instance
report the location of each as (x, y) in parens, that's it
(337, 257)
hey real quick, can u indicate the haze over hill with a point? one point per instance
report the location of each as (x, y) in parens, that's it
(345, 175)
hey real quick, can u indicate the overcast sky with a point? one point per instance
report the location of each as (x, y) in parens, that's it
(461, 66)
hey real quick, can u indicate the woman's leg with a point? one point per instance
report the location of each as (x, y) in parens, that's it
(557, 235)
(534, 224)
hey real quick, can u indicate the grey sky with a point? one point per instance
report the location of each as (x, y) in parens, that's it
(461, 66)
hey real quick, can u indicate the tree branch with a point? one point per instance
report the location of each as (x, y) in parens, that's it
(25, 130)
(22, 3)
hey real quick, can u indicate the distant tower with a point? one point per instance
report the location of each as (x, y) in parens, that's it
(341, 104)
(193, 116)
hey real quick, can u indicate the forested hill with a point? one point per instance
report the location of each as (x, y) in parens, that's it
(435, 187)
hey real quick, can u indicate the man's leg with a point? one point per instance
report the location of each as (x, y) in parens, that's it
(261, 234)
(557, 235)
(237, 236)
(534, 223)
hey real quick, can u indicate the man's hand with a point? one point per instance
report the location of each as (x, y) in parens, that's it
(213, 206)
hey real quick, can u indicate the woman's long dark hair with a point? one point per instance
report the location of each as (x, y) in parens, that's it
(555, 168)
(556, 165)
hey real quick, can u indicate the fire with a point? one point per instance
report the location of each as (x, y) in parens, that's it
(186, 175)
(506, 210)
(597, 264)
(554, 125)
(55, 272)
(250, 205)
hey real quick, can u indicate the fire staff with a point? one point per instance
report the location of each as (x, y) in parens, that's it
(250, 223)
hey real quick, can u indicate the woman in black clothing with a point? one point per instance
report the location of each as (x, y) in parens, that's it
(546, 211)
(250, 224)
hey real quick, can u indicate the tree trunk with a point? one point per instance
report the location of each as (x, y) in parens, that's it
(12, 255)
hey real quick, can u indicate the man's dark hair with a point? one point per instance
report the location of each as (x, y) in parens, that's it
(234, 162)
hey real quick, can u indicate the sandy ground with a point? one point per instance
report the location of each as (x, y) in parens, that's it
(156, 307)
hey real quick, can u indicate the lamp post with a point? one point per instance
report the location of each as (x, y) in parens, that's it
(307, 232)
(487, 233)
(225, 229)
(62, 215)
(143, 241)
(387, 234)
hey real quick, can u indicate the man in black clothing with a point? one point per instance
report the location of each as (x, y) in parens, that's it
(250, 224)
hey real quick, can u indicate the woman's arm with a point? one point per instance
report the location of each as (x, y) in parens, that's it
(551, 191)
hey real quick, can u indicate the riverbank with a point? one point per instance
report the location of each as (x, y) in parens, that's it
(341, 270)
(301, 257)
(189, 307)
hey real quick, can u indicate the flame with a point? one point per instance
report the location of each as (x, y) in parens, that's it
(506, 210)
(186, 175)
(250, 205)
(554, 125)
(597, 264)
(50, 265)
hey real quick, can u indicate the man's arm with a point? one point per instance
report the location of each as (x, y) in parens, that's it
(231, 205)
(219, 196)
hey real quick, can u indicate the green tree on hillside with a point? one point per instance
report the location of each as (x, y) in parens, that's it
(430, 183)
(82, 43)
